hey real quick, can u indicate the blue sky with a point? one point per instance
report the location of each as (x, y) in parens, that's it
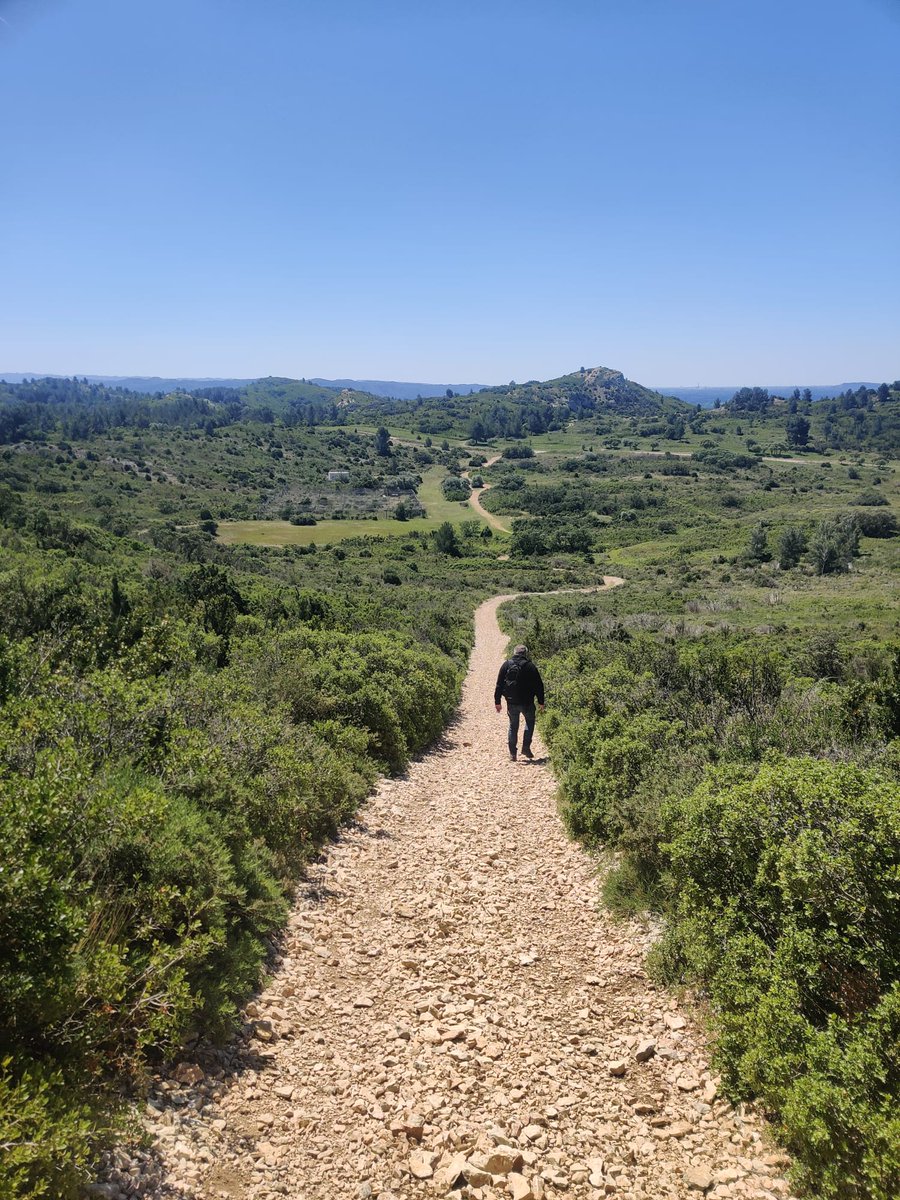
(691, 191)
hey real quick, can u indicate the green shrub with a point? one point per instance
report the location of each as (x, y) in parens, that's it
(48, 1140)
(872, 498)
(834, 543)
(791, 547)
(786, 885)
(456, 488)
(402, 697)
(725, 460)
(878, 524)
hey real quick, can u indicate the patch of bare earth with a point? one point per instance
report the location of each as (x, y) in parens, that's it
(453, 1014)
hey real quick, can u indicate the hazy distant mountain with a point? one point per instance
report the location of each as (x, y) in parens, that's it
(134, 383)
(394, 389)
(400, 391)
(154, 383)
(707, 396)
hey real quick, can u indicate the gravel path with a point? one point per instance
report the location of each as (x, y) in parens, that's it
(475, 498)
(475, 502)
(452, 1011)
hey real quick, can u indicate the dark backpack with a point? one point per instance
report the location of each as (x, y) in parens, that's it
(511, 678)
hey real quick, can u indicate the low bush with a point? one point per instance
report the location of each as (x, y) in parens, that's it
(49, 1137)
(786, 909)
(877, 524)
(456, 488)
(871, 498)
(726, 460)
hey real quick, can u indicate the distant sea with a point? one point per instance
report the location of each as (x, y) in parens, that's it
(706, 397)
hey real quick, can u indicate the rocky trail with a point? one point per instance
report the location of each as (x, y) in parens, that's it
(453, 1014)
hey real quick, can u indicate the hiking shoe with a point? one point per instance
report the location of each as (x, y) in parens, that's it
(526, 753)
(512, 758)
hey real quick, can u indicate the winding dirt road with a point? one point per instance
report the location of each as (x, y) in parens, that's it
(453, 1014)
(475, 498)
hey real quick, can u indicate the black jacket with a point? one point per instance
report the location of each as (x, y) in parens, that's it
(528, 687)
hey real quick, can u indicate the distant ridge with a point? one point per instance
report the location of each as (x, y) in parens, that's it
(134, 383)
(395, 390)
(398, 390)
(390, 388)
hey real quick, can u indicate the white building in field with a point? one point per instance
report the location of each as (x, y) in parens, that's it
(338, 476)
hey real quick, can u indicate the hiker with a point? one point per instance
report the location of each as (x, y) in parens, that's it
(519, 681)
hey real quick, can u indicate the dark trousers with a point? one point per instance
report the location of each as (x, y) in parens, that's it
(515, 712)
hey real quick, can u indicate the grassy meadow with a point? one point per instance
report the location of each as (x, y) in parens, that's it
(324, 532)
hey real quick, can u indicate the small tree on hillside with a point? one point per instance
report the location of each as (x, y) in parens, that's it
(791, 547)
(797, 430)
(758, 545)
(382, 442)
(833, 544)
(446, 541)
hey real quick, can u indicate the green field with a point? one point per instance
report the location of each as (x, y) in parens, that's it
(283, 533)
(436, 505)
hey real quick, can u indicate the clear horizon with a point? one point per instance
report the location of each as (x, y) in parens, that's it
(471, 193)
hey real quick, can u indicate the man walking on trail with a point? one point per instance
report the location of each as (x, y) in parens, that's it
(519, 681)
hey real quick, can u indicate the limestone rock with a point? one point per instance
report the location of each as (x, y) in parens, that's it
(680, 1129)
(412, 1125)
(500, 1161)
(453, 1175)
(421, 1163)
(188, 1073)
(700, 1179)
(519, 1187)
(477, 1176)
(645, 1050)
